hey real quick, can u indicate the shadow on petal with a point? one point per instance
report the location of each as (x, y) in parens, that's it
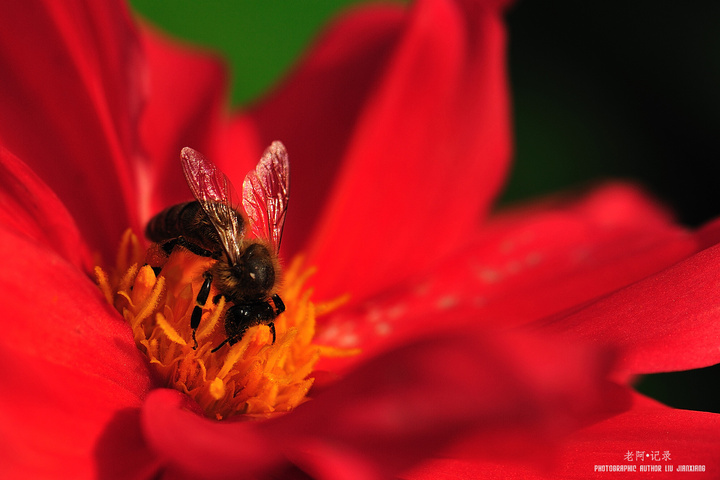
(121, 451)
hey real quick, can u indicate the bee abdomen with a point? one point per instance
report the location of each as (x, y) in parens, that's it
(185, 224)
(171, 222)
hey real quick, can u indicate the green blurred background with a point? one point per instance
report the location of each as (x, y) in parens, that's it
(611, 89)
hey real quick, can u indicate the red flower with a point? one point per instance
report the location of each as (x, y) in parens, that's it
(398, 133)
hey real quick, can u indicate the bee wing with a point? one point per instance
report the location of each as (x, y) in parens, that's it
(216, 195)
(266, 191)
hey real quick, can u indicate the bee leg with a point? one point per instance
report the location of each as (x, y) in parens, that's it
(191, 247)
(231, 340)
(279, 304)
(220, 346)
(272, 330)
(279, 308)
(199, 303)
(195, 323)
(169, 245)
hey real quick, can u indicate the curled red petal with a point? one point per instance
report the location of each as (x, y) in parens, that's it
(29, 207)
(72, 93)
(667, 322)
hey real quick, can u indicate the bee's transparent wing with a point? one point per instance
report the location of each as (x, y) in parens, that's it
(265, 194)
(216, 195)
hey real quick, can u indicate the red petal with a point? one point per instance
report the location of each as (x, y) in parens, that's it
(709, 234)
(71, 97)
(690, 438)
(667, 322)
(192, 444)
(427, 156)
(185, 107)
(525, 265)
(416, 108)
(533, 266)
(57, 314)
(397, 409)
(315, 111)
(400, 407)
(29, 207)
(57, 421)
(70, 371)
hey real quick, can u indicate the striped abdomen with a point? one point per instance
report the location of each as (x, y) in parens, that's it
(186, 220)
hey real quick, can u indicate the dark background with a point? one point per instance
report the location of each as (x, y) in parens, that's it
(614, 89)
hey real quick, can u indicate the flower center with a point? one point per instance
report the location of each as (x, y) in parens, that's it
(253, 376)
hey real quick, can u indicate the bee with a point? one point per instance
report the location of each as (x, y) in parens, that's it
(247, 271)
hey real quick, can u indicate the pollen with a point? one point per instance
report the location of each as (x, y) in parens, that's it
(253, 376)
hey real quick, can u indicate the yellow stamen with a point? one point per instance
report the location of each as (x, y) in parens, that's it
(327, 307)
(217, 389)
(104, 284)
(253, 376)
(208, 327)
(168, 330)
